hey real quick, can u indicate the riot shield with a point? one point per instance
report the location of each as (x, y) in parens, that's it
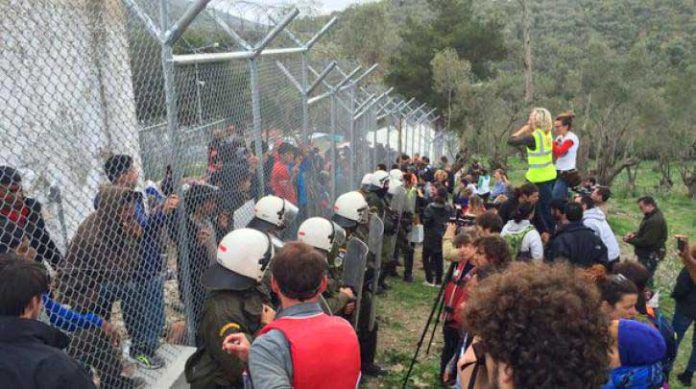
(374, 243)
(354, 263)
(398, 201)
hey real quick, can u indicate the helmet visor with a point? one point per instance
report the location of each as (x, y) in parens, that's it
(290, 213)
(338, 236)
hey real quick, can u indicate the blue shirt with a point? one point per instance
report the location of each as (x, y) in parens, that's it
(68, 320)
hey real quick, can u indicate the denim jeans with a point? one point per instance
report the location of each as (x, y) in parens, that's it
(681, 324)
(142, 304)
(560, 189)
(545, 196)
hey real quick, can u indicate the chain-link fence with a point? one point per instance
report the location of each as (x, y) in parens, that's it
(137, 133)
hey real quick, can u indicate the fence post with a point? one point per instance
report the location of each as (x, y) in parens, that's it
(333, 147)
(256, 117)
(351, 135)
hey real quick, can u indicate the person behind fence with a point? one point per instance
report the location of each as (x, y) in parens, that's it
(283, 177)
(26, 213)
(594, 219)
(97, 271)
(234, 305)
(352, 213)
(148, 295)
(435, 218)
(199, 249)
(684, 295)
(649, 240)
(576, 243)
(536, 136)
(13, 241)
(548, 313)
(286, 352)
(524, 240)
(326, 237)
(233, 178)
(31, 352)
(565, 150)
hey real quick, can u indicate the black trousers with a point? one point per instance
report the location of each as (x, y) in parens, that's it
(367, 338)
(408, 259)
(432, 264)
(452, 343)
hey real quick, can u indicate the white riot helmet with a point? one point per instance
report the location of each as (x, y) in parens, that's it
(366, 181)
(275, 211)
(243, 256)
(394, 187)
(396, 175)
(379, 180)
(321, 233)
(350, 209)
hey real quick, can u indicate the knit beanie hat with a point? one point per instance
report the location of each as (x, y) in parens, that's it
(116, 165)
(639, 344)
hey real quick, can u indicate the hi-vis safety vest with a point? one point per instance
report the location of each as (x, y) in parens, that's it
(540, 161)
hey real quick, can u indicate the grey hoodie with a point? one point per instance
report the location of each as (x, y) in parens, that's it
(531, 243)
(595, 220)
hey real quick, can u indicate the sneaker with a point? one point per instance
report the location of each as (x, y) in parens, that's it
(149, 362)
(437, 285)
(426, 283)
(372, 370)
(685, 378)
(408, 279)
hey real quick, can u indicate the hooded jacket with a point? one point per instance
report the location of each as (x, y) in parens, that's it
(104, 248)
(578, 244)
(595, 220)
(32, 356)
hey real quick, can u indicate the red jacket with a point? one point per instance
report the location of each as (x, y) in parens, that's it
(456, 293)
(281, 182)
(325, 351)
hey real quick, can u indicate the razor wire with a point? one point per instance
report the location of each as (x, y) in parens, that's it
(140, 139)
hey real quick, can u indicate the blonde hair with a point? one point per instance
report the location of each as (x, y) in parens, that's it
(542, 119)
(441, 173)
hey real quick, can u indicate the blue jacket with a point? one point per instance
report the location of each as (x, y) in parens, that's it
(641, 377)
(67, 319)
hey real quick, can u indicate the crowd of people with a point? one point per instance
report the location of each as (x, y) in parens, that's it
(537, 293)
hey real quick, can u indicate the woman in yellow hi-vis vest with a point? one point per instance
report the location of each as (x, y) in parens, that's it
(536, 136)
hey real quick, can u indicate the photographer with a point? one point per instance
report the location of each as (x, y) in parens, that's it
(435, 219)
(684, 295)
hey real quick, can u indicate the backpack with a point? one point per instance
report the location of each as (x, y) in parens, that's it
(515, 242)
(658, 319)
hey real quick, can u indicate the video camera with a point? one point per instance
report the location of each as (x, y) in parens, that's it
(460, 219)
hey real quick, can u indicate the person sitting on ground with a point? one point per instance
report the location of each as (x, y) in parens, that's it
(594, 218)
(483, 186)
(32, 352)
(26, 213)
(525, 241)
(502, 184)
(575, 242)
(533, 303)
(285, 353)
(649, 240)
(635, 356)
(490, 223)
